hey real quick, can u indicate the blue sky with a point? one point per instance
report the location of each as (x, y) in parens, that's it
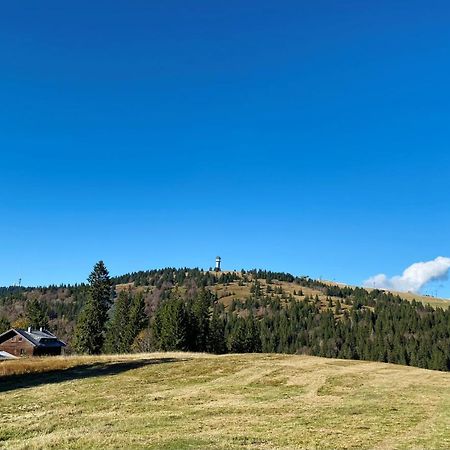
(309, 137)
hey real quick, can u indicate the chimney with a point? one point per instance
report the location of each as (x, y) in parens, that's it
(29, 329)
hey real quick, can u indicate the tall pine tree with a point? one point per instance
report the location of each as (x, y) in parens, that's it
(91, 324)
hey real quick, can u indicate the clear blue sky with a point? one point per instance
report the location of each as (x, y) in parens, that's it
(309, 137)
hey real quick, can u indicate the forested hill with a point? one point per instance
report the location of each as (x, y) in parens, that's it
(254, 311)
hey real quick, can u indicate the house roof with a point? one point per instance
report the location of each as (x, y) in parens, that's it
(38, 338)
(6, 355)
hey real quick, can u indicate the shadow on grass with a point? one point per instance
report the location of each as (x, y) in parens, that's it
(97, 369)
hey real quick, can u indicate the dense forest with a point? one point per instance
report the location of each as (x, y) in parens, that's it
(186, 309)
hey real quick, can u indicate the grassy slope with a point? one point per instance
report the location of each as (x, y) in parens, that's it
(234, 401)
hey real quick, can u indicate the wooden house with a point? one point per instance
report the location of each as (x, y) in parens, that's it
(18, 342)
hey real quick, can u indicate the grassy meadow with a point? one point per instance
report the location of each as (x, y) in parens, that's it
(182, 400)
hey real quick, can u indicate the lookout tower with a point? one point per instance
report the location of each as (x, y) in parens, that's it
(218, 260)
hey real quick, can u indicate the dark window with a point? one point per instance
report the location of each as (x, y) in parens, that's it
(22, 352)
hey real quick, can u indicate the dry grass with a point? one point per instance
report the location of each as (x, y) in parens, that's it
(409, 296)
(40, 365)
(234, 291)
(180, 400)
(425, 299)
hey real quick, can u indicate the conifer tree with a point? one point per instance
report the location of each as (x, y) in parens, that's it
(37, 314)
(5, 325)
(438, 360)
(237, 337)
(171, 325)
(200, 321)
(137, 320)
(90, 328)
(216, 334)
(127, 321)
(254, 334)
(116, 335)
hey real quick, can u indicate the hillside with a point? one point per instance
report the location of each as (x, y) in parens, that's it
(65, 302)
(239, 288)
(243, 312)
(235, 291)
(182, 400)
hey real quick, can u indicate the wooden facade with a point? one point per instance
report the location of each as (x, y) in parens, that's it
(19, 343)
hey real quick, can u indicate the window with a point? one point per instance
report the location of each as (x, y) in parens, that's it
(22, 352)
(19, 338)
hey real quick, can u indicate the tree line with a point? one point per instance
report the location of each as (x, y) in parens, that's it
(376, 326)
(101, 328)
(352, 324)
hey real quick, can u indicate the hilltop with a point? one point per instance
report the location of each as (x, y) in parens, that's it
(185, 400)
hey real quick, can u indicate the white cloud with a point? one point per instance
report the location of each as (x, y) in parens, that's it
(413, 278)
